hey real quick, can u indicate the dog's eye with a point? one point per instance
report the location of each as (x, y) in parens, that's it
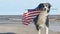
(46, 5)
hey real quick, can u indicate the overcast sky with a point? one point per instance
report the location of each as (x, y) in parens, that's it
(18, 7)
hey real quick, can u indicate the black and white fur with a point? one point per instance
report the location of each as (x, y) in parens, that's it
(42, 19)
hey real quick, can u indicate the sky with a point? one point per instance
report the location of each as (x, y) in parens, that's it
(18, 7)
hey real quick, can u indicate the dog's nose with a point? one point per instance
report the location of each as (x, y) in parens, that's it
(44, 9)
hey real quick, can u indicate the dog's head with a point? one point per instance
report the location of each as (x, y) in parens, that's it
(44, 7)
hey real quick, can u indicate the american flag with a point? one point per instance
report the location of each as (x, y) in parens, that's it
(29, 16)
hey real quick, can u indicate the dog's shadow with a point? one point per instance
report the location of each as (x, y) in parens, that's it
(8, 33)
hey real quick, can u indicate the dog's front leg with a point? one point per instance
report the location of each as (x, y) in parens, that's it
(47, 30)
(39, 32)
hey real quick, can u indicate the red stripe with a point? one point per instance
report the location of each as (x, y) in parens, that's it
(31, 14)
(25, 23)
(28, 17)
(34, 12)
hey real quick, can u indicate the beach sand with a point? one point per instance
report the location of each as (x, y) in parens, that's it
(15, 26)
(22, 29)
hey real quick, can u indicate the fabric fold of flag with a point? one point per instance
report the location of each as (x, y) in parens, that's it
(29, 16)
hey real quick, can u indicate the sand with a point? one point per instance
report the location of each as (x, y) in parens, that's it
(21, 29)
(15, 26)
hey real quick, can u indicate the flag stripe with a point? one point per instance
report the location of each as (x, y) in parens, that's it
(32, 14)
(29, 16)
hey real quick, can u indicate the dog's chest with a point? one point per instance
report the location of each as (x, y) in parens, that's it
(42, 17)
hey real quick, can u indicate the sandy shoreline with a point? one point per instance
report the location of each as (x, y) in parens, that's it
(21, 29)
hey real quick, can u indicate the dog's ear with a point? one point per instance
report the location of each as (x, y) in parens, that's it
(49, 6)
(40, 6)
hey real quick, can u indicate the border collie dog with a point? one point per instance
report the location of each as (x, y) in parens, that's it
(42, 19)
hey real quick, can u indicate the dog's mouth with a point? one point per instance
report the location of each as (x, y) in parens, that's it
(44, 9)
(41, 9)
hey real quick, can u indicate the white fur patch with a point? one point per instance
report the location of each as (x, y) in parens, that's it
(42, 18)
